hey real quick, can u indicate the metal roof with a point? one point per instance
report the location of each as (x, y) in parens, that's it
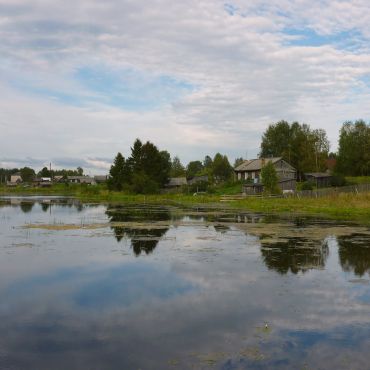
(256, 164)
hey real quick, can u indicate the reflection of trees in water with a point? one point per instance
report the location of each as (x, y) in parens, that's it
(220, 228)
(45, 206)
(295, 255)
(143, 239)
(354, 253)
(26, 206)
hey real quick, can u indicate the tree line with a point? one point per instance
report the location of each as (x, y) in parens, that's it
(307, 149)
(28, 174)
(148, 169)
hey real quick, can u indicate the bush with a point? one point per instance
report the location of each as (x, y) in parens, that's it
(338, 180)
(307, 185)
(143, 184)
(199, 186)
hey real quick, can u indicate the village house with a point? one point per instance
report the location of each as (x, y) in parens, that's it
(250, 172)
(176, 182)
(15, 179)
(81, 180)
(320, 179)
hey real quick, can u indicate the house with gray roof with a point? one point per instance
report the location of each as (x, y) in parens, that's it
(250, 172)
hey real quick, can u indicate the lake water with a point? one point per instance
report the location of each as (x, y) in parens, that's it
(86, 286)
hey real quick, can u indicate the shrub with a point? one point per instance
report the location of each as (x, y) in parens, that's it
(307, 185)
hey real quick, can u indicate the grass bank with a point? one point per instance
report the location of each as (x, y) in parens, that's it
(355, 207)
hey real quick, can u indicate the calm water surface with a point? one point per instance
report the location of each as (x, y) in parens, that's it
(135, 287)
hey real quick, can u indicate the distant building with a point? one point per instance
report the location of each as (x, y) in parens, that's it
(81, 180)
(250, 171)
(100, 179)
(42, 182)
(197, 179)
(58, 178)
(176, 182)
(320, 179)
(15, 179)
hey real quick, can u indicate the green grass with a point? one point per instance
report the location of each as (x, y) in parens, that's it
(354, 207)
(358, 179)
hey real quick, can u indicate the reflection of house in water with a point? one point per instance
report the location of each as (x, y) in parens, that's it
(144, 237)
(354, 253)
(295, 255)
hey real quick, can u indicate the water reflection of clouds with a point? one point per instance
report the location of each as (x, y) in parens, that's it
(203, 291)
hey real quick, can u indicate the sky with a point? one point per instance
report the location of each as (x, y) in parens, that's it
(81, 80)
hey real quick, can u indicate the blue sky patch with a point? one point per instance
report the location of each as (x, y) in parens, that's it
(131, 89)
(308, 37)
(127, 89)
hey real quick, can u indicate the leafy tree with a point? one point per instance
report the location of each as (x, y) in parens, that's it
(44, 172)
(80, 171)
(207, 162)
(304, 148)
(269, 179)
(177, 169)
(354, 149)
(193, 169)
(118, 173)
(27, 174)
(238, 162)
(6, 173)
(221, 168)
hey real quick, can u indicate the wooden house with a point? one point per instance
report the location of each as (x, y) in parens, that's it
(320, 179)
(250, 172)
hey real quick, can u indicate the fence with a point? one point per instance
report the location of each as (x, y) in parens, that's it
(319, 193)
(327, 192)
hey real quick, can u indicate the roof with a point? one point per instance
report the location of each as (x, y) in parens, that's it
(196, 179)
(317, 175)
(256, 164)
(177, 181)
(79, 178)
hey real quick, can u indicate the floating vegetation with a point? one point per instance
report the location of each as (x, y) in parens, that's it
(252, 353)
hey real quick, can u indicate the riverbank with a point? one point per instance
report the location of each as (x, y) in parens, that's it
(350, 207)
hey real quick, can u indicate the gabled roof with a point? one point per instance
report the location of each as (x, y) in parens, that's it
(177, 181)
(256, 164)
(318, 175)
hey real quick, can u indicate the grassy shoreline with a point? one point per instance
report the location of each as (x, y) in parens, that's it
(350, 207)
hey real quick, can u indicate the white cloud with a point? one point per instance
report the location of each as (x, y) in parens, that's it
(247, 71)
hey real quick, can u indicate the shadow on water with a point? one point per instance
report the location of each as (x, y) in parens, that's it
(354, 253)
(144, 238)
(294, 255)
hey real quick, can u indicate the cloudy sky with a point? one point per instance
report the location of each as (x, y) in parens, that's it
(80, 80)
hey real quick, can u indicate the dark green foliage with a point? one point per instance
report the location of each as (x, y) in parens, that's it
(193, 169)
(338, 180)
(145, 171)
(221, 168)
(135, 158)
(269, 179)
(238, 162)
(177, 169)
(44, 172)
(27, 174)
(198, 186)
(354, 149)
(305, 149)
(308, 185)
(80, 171)
(143, 184)
(207, 162)
(119, 173)
(6, 173)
